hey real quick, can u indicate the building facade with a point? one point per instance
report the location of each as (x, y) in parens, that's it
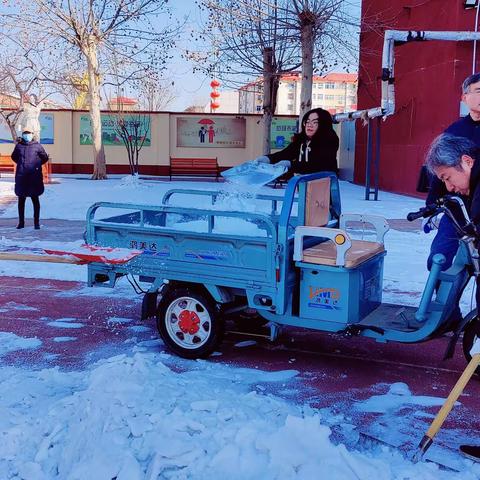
(170, 135)
(428, 79)
(335, 92)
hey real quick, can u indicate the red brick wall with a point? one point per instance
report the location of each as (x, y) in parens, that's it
(428, 77)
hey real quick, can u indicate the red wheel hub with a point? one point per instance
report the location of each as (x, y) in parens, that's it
(189, 322)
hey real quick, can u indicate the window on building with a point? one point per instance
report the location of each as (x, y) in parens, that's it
(340, 99)
(290, 107)
(259, 108)
(290, 96)
(329, 98)
(320, 86)
(330, 85)
(291, 86)
(320, 96)
(352, 99)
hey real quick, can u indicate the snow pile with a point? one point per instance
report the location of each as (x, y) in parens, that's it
(131, 181)
(149, 421)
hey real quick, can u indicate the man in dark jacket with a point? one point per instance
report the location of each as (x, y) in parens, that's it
(29, 156)
(446, 239)
(455, 161)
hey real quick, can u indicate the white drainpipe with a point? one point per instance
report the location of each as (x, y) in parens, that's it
(392, 37)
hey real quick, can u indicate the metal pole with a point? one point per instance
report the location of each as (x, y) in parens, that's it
(377, 157)
(368, 164)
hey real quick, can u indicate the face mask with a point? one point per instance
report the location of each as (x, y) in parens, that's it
(28, 137)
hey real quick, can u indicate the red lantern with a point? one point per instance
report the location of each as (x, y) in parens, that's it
(215, 94)
(214, 105)
(215, 83)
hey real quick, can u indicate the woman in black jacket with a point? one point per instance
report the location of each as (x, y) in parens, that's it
(314, 149)
(29, 156)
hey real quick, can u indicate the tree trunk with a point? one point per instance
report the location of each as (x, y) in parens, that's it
(307, 40)
(268, 97)
(13, 132)
(99, 165)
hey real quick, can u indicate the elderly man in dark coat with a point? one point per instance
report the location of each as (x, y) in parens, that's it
(29, 156)
(456, 162)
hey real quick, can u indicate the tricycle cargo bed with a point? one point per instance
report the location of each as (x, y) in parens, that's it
(188, 244)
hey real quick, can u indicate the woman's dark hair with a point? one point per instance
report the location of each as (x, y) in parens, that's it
(325, 124)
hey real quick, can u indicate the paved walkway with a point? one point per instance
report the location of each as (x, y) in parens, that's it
(77, 326)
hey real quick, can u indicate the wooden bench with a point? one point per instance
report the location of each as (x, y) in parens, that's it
(205, 167)
(6, 164)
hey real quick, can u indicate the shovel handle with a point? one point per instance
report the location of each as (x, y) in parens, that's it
(453, 396)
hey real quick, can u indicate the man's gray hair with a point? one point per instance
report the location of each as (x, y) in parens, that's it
(475, 78)
(447, 150)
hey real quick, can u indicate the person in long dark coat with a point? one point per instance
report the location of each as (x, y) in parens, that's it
(29, 156)
(312, 150)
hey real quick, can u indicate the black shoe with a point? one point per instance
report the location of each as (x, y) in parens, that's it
(20, 225)
(37, 226)
(471, 451)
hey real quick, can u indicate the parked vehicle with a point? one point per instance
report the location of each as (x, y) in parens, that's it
(296, 265)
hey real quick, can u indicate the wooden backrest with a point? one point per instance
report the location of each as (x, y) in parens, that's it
(6, 163)
(193, 162)
(205, 162)
(6, 160)
(317, 203)
(180, 162)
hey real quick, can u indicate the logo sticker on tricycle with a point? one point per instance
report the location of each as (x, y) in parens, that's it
(151, 248)
(207, 254)
(324, 297)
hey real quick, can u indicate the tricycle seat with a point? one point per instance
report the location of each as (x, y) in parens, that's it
(326, 253)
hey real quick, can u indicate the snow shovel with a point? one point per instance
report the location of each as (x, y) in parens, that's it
(437, 423)
(254, 173)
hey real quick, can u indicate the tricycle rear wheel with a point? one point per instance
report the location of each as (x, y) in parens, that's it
(188, 323)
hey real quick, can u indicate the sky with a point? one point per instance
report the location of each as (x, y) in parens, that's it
(194, 88)
(191, 88)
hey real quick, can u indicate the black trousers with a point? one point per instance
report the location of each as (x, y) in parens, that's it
(36, 210)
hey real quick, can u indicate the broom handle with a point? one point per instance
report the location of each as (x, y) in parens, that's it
(452, 398)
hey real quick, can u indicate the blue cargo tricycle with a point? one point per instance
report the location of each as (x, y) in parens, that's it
(296, 263)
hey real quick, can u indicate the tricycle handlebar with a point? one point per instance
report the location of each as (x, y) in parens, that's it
(424, 212)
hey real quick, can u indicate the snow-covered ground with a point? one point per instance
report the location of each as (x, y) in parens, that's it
(147, 415)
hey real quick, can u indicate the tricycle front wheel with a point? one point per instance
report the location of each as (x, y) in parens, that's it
(188, 323)
(470, 334)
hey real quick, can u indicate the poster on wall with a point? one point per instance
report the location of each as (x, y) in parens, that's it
(211, 132)
(282, 131)
(110, 135)
(46, 130)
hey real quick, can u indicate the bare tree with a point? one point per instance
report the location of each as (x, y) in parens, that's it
(328, 37)
(91, 32)
(248, 38)
(271, 37)
(134, 130)
(155, 95)
(21, 78)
